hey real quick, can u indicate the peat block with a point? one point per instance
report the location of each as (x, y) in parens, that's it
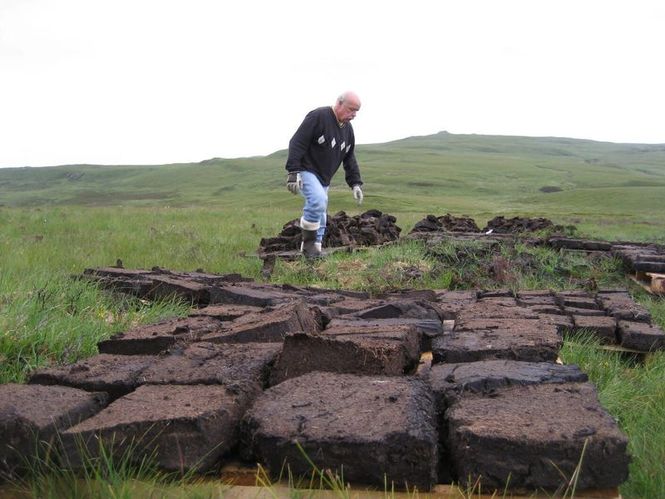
(350, 306)
(444, 295)
(496, 293)
(528, 436)
(427, 328)
(248, 294)
(242, 367)
(32, 414)
(448, 381)
(577, 302)
(116, 375)
(402, 308)
(622, 307)
(581, 244)
(155, 338)
(185, 427)
(589, 312)
(529, 301)
(450, 303)
(362, 426)
(354, 347)
(184, 289)
(604, 328)
(531, 341)
(563, 323)
(225, 312)
(410, 295)
(500, 323)
(270, 325)
(641, 336)
(545, 309)
(489, 309)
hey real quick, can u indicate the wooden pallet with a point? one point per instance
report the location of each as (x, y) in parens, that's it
(653, 282)
(240, 481)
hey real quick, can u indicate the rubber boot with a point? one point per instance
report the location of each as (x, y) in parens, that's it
(309, 247)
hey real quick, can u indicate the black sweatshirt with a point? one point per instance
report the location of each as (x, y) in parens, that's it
(320, 145)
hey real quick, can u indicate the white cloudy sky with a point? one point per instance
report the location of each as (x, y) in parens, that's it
(157, 81)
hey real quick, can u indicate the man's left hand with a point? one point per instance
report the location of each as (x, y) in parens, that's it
(358, 194)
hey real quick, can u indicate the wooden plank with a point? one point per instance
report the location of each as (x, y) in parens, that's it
(438, 492)
(653, 285)
(240, 481)
(657, 283)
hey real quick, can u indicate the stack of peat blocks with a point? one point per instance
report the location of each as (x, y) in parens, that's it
(421, 387)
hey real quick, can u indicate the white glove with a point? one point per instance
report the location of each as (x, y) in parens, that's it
(358, 194)
(294, 182)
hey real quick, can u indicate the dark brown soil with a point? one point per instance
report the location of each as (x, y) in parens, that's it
(366, 427)
(270, 325)
(226, 312)
(544, 429)
(117, 375)
(31, 415)
(249, 295)
(185, 427)
(367, 229)
(156, 338)
(447, 222)
(640, 336)
(527, 340)
(622, 307)
(603, 327)
(354, 347)
(502, 225)
(243, 367)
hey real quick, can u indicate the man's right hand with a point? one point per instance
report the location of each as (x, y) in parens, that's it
(294, 182)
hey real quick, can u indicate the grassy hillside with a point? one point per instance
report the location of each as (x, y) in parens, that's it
(609, 190)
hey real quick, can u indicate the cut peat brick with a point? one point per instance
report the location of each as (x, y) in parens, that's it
(401, 309)
(269, 326)
(31, 416)
(589, 312)
(450, 380)
(350, 306)
(166, 287)
(185, 427)
(116, 375)
(532, 341)
(427, 328)
(364, 427)
(243, 366)
(526, 437)
(604, 328)
(353, 347)
(225, 312)
(575, 301)
(621, 306)
(155, 338)
(490, 309)
(252, 295)
(640, 336)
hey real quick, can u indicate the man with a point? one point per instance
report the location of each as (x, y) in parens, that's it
(323, 141)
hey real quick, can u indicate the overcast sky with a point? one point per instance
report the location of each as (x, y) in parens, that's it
(163, 81)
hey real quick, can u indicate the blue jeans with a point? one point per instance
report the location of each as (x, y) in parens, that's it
(316, 202)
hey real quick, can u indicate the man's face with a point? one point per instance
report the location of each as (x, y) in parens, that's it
(348, 110)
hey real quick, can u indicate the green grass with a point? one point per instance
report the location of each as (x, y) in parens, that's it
(55, 222)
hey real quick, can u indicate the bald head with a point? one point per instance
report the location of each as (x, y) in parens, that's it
(346, 107)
